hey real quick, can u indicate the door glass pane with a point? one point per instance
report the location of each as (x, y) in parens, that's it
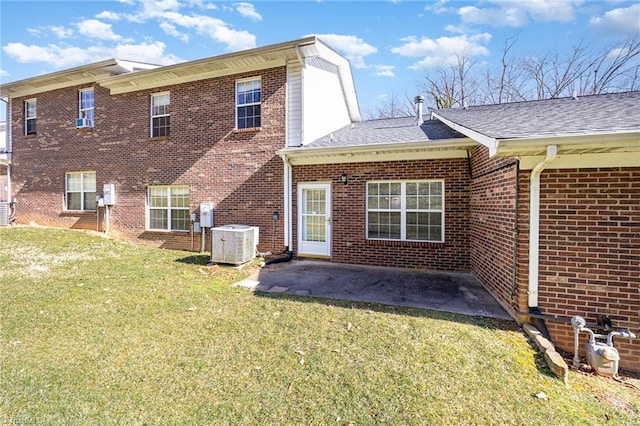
(314, 221)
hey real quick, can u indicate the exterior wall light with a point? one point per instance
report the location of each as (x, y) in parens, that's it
(344, 178)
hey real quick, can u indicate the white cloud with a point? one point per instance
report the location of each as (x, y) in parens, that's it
(248, 10)
(517, 13)
(3, 73)
(622, 20)
(171, 30)
(60, 56)
(352, 47)
(61, 32)
(110, 16)
(97, 29)
(384, 70)
(442, 51)
(166, 12)
(504, 17)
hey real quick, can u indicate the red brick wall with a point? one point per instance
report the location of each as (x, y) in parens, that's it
(349, 243)
(589, 251)
(236, 170)
(493, 227)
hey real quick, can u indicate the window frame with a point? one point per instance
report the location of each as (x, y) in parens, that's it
(239, 105)
(168, 208)
(28, 118)
(83, 192)
(404, 210)
(86, 112)
(167, 125)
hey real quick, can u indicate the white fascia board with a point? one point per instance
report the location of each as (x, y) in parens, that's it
(455, 148)
(132, 86)
(583, 161)
(577, 143)
(487, 141)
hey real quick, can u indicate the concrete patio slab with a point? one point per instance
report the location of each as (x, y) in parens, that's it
(458, 293)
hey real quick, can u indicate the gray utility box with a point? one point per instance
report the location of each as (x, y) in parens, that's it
(234, 244)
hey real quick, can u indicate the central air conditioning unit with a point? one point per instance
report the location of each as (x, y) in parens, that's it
(4, 214)
(234, 244)
(82, 123)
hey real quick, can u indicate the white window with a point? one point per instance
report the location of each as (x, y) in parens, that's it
(81, 191)
(407, 211)
(86, 105)
(248, 103)
(169, 208)
(30, 116)
(160, 122)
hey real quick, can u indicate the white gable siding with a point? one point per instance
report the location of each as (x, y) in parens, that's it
(294, 103)
(324, 105)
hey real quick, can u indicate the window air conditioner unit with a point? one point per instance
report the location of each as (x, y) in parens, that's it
(83, 122)
(234, 244)
(4, 214)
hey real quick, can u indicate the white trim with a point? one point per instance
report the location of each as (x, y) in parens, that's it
(168, 208)
(326, 245)
(248, 104)
(81, 192)
(487, 141)
(403, 210)
(152, 116)
(581, 161)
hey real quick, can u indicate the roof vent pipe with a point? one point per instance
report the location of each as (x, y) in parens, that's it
(419, 100)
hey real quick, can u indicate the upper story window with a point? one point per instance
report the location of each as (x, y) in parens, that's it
(30, 116)
(85, 108)
(407, 211)
(81, 191)
(160, 115)
(168, 208)
(248, 103)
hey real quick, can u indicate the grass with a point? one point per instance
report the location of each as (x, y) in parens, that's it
(96, 331)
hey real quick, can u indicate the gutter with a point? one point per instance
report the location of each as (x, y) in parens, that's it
(534, 236)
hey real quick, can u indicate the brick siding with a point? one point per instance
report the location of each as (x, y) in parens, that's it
(493, 224)
(349, 243)
(589, 251)
(236, 170)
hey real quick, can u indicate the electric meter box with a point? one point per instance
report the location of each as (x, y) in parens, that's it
(206, 215)
(109, 194)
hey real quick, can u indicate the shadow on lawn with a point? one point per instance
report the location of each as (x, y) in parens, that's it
(196, 259)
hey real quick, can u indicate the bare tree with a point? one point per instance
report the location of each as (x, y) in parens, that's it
(452, 86)
(391, 107)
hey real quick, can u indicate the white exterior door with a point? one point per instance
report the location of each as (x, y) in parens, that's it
(314, 220)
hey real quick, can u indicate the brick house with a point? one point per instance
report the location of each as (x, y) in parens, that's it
(170, 138)
(540, 200)
(495, 190)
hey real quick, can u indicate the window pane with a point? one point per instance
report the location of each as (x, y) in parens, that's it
(158, 197)
(74, 182)
(74, 201)
(90, 200)
(158, 219)
(180, 220)
(179, 197)
(89, 182)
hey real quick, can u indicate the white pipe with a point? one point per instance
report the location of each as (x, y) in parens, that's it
(287, 203)
(534, 224)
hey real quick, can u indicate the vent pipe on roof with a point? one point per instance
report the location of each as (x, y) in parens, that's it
(419, 100)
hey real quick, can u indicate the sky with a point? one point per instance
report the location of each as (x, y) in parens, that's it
(392, 45)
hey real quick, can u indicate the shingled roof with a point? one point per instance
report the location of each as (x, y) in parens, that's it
(386, 131)
(582, 115)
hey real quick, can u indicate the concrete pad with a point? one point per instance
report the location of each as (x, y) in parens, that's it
(250, 284)
(458, 293)
(277, 289)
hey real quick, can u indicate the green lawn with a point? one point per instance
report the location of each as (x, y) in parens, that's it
(96, 331)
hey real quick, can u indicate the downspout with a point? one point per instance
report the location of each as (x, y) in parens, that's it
(302, 67)
(534, 237)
